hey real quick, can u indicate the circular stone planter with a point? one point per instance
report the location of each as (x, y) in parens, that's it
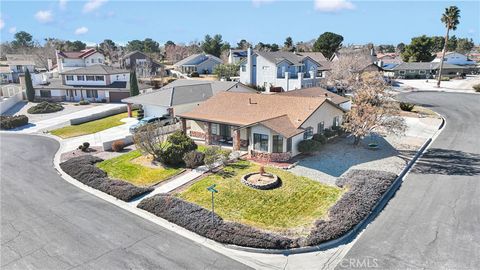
(263, 182)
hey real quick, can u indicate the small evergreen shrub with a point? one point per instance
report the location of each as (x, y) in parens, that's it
(45, 107)
(118, 146)
(179, 145)
(405, 106)
(476, 87)
(329, 133)
(320, 138)
(338, 130)
(194, 75)
(10, 122)
(193, 159)
(309, 146)
(84, 102)
(84, 147)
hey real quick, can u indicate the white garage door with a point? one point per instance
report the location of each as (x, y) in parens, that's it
(152, 110)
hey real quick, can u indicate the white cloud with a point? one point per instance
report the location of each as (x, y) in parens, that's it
(2, 23)
(257, 3)
(92, 5)
(81, 30)
(62, 4)
(333, 5)
(44, 16)
(12, 30)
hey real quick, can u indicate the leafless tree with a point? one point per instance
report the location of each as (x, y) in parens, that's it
(346, 70)
(151, 139)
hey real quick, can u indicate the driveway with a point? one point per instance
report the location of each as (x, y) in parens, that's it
(433, 220)
(47, 223)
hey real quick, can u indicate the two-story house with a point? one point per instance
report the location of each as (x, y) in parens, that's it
(97, 83)
(73, 60)
(18, 64)
(201, 63)
(280, 71)
(144, 65)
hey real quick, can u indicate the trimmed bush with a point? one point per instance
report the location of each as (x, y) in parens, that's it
(179, 145)
(83, 102)
(118, 146)
(84, 147)
(309, 146)
(194, 74)
(320, 138)
(45, 107)
(10, 122)
(405, 106)
(329, 133)
(199, 220)
(365, 188)
(84, 170)
(476, 87)
(193, 159)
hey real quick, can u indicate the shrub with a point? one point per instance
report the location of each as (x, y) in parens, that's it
(45, 107)
(84, 147)
(338, 130)
(446, 79)
(179, 145)
(193, 159)
(194, 74)
(329, 133)
(214, 154)
(84, 102)
(140, 113)
(476, 87)
(9, 122)
(199, 220)
(309, 146)
(84, 170)
(118, 146)
(405, 106)
(365, 188)
(320, 138)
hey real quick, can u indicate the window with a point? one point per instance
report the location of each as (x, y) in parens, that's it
(225, 131)
(265, 67)
(93, 60)
(277, 144)
(100, 60)
(92, 94)
(336, 121)
(69, 77)
(90, 78)
(260, 142)
(402, 72)
(244, 68)
(80, 78)
(320, 127)
(45, 93)
(214, 129)
(98, 78)
(289, 144)
(308, 133)
(422, 72)
(411, 71)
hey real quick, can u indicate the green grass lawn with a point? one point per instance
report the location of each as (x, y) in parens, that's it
(122, 168)
(92, 126)
(297, 203)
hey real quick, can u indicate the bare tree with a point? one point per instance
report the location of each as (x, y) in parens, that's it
(347, 69)
(374, 109)
(151, 139)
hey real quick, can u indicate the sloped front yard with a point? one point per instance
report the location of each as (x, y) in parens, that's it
(296, 204)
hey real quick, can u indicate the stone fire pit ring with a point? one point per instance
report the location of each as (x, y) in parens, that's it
(273, 183)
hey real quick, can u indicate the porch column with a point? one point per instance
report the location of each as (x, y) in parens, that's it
(236, 139)
(208, 133)
(129, 109)
(184, 125)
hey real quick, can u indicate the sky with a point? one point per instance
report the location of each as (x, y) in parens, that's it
(267, 21)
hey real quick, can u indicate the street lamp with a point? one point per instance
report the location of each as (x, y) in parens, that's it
(213, 191)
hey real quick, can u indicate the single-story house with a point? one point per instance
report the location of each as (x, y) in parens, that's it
(425, 70)
(269, 127)
(182, 95)
(454, 58)
(201, 63)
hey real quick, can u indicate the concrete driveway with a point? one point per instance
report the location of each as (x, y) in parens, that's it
(47, 223)
(433, 220)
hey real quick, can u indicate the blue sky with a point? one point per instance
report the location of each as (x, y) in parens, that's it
(268, 21)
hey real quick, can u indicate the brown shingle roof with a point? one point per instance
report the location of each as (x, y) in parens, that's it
(316, 92)
(282, 125)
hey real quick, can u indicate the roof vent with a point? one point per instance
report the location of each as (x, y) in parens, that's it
(250, 101)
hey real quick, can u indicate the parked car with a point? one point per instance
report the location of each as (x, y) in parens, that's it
(162, 121)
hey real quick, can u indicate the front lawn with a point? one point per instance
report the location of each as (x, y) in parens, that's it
(298, 202)
(92, 126)
(123, 168)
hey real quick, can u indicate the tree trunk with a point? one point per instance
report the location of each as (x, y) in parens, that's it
(443, 57)
(356, 140)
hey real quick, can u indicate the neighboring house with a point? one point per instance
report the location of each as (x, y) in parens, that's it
(236, 56)
(143, 64)
(454, 58)
(182, 95)
(73, 60)
(425, 70)
(201, 63)
(342, 102)
(388, 60)
(19, 63)
(319, 58)
(5, 75)
(280, 71)
(97, 83)
(355, 50)
(269, 127)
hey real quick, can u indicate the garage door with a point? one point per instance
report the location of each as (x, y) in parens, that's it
(118, 96)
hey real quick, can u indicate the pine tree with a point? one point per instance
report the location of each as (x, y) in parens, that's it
(29, 86)
(133, 84)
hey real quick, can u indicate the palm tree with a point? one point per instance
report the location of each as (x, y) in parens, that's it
(451, 19)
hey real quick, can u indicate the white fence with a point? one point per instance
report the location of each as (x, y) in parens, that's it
(8, 102)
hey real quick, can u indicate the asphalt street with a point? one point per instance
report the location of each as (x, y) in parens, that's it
(433, 222)
(47, 223)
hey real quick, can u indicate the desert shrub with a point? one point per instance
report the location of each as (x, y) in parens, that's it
(194, 74)
(178, 145)
(446, 79)
(320, 138)
(199, 220)
(45, 107)
(84, 102)
(84, 170)
(118, 146)
(308, 146)
(193, 159)
(329, 133)
(9, 122)
(476, 87)
(84, 146)
(365, 188)
(405, 106)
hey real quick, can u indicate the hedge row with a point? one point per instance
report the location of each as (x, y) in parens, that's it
(9, 122)
(199, 220)
(365, 188)
(84, 170)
